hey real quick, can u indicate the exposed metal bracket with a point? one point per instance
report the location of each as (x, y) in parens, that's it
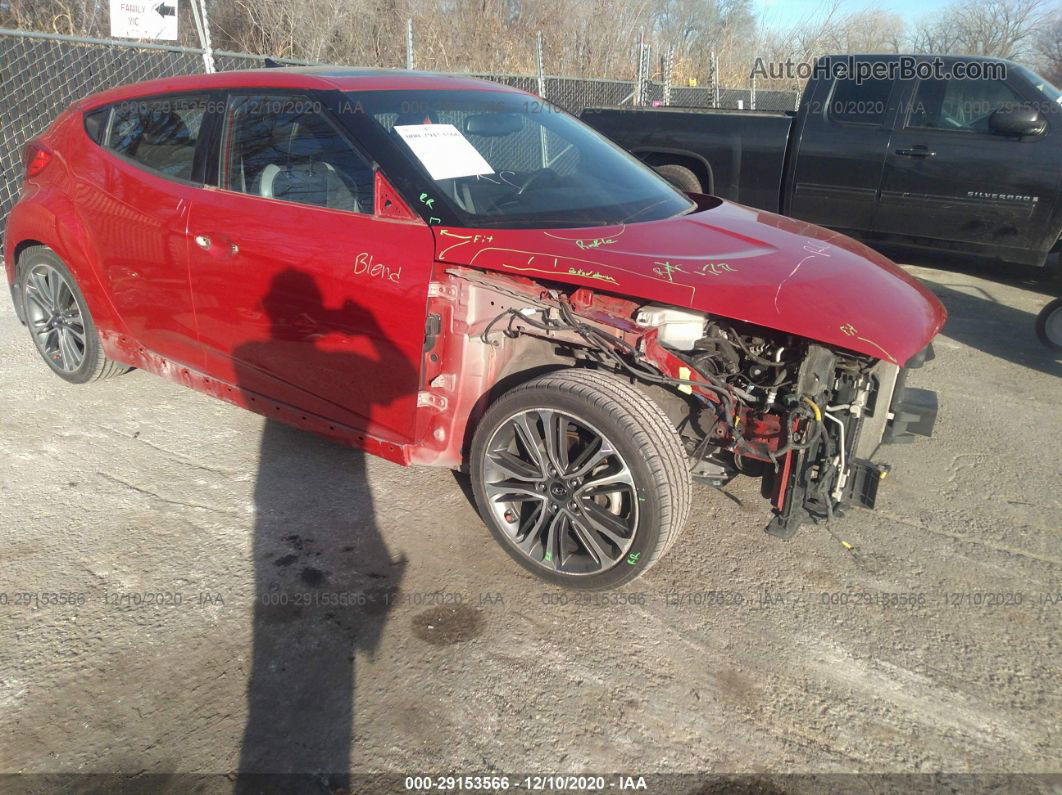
(442, 290)
(444, 381)
(429, 400)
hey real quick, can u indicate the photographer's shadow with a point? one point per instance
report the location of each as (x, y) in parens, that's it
(323, 574)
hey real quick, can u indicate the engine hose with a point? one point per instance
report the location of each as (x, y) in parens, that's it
(790, 445)
(814, 407)
(758, 359)
(606, 344)
(599, 340)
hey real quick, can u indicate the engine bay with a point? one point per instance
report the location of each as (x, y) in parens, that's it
(785, 409)
(803, 417)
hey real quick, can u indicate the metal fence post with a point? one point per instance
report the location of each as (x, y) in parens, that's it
(541, 65)
(202, 26)
(641, 86)
(543, 138)
(636, 95)
(410, 61)
(715, 81)
(647, 69)
(665, 67)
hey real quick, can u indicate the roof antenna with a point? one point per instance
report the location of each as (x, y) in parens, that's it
(271, 64)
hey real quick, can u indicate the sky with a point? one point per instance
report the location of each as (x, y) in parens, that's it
(784, 13)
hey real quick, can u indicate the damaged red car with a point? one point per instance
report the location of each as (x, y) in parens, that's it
(445, 271)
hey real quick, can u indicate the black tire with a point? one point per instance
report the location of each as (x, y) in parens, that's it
(647, 450)
(93, 364)
(1049, 325)
(681, 177)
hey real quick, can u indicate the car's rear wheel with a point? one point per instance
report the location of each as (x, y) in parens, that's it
(1049, 325)
(59, 320)
(581, 478)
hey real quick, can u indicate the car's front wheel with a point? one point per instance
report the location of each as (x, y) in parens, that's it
(581, 478)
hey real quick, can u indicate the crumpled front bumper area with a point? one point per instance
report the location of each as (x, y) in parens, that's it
(913, 412)
(897, 414)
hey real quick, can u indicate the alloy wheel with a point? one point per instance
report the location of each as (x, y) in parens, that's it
(55, 318)
(560, 491)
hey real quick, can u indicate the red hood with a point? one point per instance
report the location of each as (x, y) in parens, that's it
(731, 261)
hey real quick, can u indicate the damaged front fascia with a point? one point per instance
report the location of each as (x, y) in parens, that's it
(461, 374)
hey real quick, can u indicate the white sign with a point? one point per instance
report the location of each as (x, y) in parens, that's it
(443, 150)
(144, 19)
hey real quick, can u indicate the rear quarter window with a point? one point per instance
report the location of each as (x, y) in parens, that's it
(862, 102)
(159, 134)
(96, 123)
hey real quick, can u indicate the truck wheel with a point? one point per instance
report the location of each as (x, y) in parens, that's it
(681, 177)
(581, 478)
(1049, 325)
(59, 320)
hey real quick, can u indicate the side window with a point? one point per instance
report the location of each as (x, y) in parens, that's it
(863, 102)
(959, 105)
(284, 147)
(158, 133)
(96, 123)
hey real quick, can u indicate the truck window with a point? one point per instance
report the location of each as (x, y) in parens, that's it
(862, 102)
(959, 105)
(1040, 84)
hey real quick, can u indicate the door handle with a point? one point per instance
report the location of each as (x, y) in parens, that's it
(918, 151)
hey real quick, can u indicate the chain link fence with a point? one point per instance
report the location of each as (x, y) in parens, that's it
(41, 73)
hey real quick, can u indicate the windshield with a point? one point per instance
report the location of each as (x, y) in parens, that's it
(1041, 85)
(507, 160)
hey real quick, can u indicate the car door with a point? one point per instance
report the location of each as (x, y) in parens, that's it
(304, 296)
(948, 177)
(134, 199)
(840, 147)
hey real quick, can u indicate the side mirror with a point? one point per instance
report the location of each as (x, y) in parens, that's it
(1017, 122)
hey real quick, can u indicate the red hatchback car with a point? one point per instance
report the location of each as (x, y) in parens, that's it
(446, 271)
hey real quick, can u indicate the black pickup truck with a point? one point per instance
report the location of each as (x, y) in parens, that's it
(954, 153)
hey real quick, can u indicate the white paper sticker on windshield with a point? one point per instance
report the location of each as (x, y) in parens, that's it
(443, 150)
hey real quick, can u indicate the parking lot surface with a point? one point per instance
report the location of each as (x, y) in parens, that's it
(185, 587)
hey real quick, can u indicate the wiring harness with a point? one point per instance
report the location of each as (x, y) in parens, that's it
(627, 358)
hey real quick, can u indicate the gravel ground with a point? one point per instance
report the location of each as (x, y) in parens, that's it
(738, 653)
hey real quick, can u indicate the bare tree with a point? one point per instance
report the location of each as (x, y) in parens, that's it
(55, 16)
(867, 31)
(1049, 49)
(828, 30)
(590, 38)
(1000, 28)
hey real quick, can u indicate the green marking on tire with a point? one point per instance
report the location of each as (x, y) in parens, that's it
(633, 558)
